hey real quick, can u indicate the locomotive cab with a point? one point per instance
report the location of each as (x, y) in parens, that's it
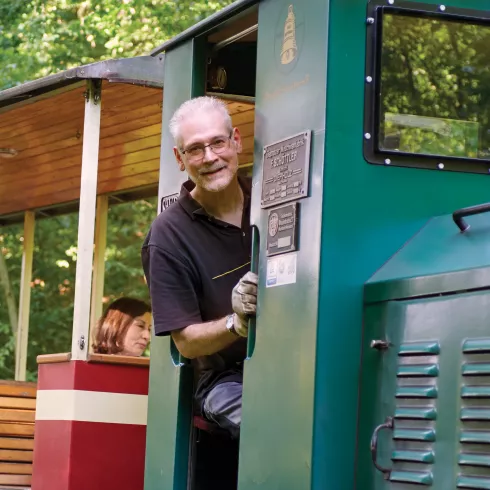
(222, 64)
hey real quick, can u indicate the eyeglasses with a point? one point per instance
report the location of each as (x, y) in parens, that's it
(217, 146)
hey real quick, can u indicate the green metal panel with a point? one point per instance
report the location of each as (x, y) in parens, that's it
(170, 392)
(441, 417)
(278, 396)
(437, 259)
(369, 212)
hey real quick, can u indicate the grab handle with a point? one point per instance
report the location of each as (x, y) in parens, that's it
(388, 424)
(469, 211)
(178, 359)
(254, 267)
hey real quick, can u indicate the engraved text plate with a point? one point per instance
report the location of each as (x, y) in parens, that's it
(285, 170)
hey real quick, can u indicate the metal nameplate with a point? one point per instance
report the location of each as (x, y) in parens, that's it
(285, 170)
(281, 229)
(168, 200)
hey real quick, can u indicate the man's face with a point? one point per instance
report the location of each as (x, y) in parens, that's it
(212, 168)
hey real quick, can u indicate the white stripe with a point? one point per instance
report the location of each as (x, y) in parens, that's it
(91, 406)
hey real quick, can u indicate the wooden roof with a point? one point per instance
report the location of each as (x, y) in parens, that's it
(48, 135)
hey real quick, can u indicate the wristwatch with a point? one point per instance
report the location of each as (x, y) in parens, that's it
(230, 324)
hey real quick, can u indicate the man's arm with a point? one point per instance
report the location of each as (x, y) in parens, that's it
(176, 310)
(203, 339)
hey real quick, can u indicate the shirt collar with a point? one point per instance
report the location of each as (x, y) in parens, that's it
(193, 208)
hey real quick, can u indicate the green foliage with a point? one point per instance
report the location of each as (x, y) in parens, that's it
(40, 37)
(127, 227)
(53, 276)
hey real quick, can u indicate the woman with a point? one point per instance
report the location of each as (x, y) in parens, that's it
(124, 328)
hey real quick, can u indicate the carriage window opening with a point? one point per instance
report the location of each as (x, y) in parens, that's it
(434, 86)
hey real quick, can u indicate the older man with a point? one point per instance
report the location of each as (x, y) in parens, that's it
(196, 259)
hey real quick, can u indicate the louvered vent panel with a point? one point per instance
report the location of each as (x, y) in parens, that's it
(415, 413)
(474, 455)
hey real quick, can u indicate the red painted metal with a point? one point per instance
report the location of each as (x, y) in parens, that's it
(80, 375)
(86, 455)
(75, 455)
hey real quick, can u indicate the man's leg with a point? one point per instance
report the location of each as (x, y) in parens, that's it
(223, 405)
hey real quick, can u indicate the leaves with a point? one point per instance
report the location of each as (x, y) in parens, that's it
(53, 276)
(41, 37)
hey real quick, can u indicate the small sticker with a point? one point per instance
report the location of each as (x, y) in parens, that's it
(281, 270)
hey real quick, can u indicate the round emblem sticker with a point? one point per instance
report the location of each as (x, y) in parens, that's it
(273, 224)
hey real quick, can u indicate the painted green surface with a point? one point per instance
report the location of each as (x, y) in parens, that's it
(170, 392)
(369, 213)
(432, 442)
(439, 258)
(300, 409)
(276, 435)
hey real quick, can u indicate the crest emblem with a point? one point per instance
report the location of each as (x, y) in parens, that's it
(273, 224)
(288, 37)
(289, 48)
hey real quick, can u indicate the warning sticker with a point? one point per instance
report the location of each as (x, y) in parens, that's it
(281, 270)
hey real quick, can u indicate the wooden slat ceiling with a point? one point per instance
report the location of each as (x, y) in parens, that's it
(48, 136)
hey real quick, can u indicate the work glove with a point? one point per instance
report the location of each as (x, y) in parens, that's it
(244, 302)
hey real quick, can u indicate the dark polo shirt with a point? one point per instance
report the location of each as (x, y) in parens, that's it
(191, 262)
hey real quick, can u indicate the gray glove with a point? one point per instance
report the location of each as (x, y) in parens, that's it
(244, 302)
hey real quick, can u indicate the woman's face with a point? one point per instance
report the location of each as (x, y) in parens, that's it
(137, 336)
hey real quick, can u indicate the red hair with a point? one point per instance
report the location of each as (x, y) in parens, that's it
(114, 324)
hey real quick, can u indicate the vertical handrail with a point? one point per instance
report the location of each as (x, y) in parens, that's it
(254, 267)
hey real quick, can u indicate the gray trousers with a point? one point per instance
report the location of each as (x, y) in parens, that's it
(223, 406)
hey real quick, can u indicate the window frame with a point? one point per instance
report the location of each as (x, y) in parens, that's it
(372, 86)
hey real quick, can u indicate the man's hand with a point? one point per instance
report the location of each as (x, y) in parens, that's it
(244, 302)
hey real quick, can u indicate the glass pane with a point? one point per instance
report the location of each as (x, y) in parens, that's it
(435, 87)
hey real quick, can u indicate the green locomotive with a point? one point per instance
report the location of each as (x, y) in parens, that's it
(369, 365)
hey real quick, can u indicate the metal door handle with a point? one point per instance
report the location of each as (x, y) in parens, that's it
(461, 213)
(388, 424)
(254, 267)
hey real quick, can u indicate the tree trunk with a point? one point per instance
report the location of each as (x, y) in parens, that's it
(9, 294)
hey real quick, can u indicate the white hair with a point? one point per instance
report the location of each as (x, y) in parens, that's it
(191, 107)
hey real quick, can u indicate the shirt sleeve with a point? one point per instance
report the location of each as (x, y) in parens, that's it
(174, 300)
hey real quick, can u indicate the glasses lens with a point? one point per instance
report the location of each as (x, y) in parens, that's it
(195, 152)
(219, 146)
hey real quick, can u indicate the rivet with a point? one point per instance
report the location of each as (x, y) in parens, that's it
(367, 136)
(82, 72)
(81, 343)
(391, 2)
(387, 161)
(369, 79)
(440, 166)
(442, 8)
(370, 20)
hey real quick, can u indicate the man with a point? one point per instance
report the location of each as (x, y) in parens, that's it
(196, 259)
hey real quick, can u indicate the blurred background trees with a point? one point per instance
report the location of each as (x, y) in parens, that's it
(38, 38)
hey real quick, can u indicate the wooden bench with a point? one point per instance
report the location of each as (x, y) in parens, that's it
(17, 414)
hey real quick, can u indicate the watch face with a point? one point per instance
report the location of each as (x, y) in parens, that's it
(230, 324)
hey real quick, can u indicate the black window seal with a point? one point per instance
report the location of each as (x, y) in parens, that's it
(372, 90)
